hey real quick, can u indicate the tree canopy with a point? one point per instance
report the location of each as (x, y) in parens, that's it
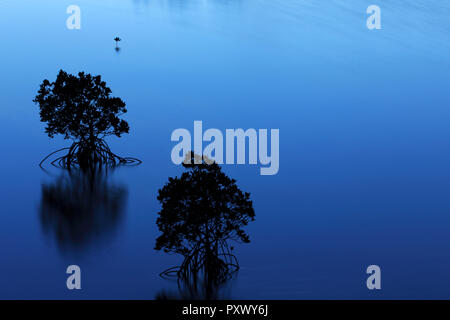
(80, 107)
(202, 210)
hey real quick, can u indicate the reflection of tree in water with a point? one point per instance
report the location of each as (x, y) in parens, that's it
(202, 212)
(80, 208)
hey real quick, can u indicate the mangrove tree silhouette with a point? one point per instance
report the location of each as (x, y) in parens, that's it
(202, 212)
(80, 208)
(81, 108)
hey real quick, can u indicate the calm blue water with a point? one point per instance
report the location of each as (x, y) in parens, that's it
(364, 142)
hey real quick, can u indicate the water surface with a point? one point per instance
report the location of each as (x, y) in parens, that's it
(364, 142)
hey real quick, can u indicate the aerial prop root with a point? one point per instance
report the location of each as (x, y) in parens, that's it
(79, 154)
(220, 267)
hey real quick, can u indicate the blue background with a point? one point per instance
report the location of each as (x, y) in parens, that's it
(364, 140)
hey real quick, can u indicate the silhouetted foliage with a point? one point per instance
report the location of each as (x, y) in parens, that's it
(80, 207)
(202, 211)
(81, 108)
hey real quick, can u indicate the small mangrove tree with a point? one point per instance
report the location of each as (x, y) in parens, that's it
(82, 109)
(203, 212)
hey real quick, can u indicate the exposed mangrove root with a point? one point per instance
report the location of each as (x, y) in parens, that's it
(91, 155)
(211, 267)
